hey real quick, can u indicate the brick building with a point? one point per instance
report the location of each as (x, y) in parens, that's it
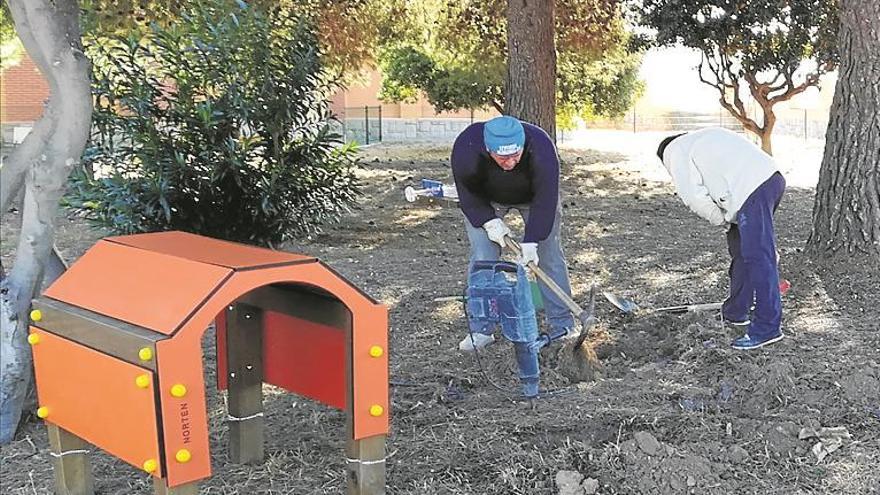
(22, 94)
(24, 91)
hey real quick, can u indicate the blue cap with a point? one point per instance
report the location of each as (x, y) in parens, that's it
(504, 135)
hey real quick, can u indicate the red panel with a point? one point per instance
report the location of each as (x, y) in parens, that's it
(305, 358)
(207, 250)
(299, 356)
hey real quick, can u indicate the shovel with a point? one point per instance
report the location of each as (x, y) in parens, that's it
(585, 316)
(629, 306)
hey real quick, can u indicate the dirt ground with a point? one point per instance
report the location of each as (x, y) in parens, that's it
(675, 410)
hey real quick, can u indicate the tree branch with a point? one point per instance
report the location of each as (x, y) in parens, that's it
(22, 157)
(720, 71)
(792, 90)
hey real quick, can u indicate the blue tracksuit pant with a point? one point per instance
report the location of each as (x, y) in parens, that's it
(753, 271)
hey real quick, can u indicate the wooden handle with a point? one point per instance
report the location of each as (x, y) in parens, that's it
(543, 277)
(691, 307)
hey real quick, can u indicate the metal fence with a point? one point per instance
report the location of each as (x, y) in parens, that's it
(362, 124)
(681, 121)
(803, 124)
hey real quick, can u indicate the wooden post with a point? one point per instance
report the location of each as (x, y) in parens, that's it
(366, 465)
(160, 488)
(70, 460)
(244, 355)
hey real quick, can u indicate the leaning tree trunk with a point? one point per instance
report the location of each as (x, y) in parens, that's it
(49, 30)
(846, 213)
(766, 134)
(530, 91)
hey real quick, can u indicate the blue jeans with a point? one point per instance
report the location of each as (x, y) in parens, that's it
(551, 260)
(753, 272)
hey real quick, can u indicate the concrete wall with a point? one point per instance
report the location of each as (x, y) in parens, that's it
(400, 130)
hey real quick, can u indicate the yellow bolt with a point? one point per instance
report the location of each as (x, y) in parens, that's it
(145, 354)
(33, 339)
(150, 465)
(142, 381)
(178, 390)
(376, 351)
(43, 412)
(36, 315)
(376, 410)
(183, 455)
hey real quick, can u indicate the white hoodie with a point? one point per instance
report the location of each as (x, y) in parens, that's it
(715, 170)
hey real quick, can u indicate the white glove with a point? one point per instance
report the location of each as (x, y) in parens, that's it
(497, 230)
(529, 253)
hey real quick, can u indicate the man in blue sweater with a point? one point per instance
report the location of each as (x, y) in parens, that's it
(504, 165)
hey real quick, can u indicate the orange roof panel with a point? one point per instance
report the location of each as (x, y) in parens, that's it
(207, 250)
(149, 289)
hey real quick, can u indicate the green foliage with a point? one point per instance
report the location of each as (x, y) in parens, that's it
(11, 49)
(590, 89)
(456, 53)
(409, 70)
(217, 125)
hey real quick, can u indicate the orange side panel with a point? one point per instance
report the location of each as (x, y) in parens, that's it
(151, 290)
(95, 397)
(184, 419)
(370, 373)
(299, 356)
(207, 250)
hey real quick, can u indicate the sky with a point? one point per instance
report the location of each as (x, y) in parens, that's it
(671, 81)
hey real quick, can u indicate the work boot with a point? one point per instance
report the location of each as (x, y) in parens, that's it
(479, 341)
(747, 343)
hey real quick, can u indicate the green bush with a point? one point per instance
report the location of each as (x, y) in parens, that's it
(218, 124)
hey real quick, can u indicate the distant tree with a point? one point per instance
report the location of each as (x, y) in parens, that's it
(218, 125)
(456, 53)
(758, 45)
(846, 213)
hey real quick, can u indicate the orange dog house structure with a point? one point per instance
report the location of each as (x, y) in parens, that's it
(117, 345)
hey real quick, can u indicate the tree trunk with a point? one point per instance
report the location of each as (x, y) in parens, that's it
(766, 134)
(846, 213)
(49, 30)
(766, 141)
(530, 91)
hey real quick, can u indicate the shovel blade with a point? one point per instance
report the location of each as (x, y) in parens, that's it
(621, 303)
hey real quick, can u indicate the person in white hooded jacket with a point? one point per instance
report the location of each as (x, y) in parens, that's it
(727, 180)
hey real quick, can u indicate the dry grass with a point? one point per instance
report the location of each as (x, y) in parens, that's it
(671, 376)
